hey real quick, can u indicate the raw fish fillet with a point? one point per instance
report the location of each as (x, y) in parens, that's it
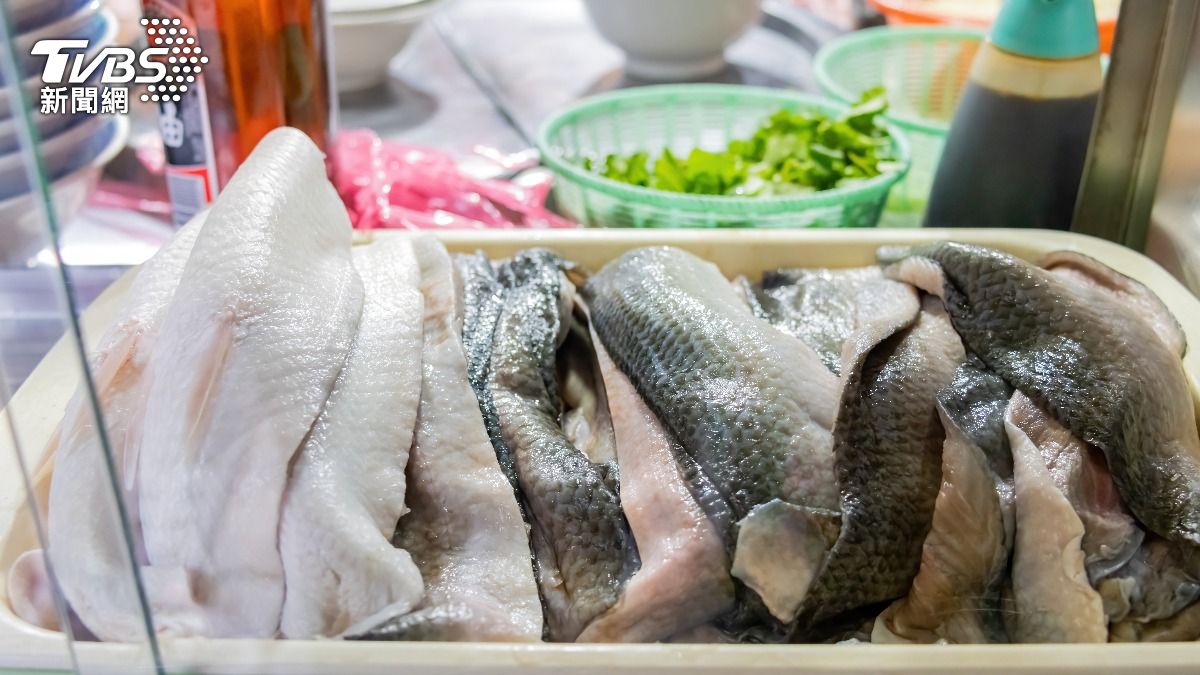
(824, 307)
(347, 486)
(1087, 272)
(955, 595)
(1080, 353)
(1052, 598)
(259, 328)
(887, 449)
(86, 539)
(581, 540)
(684, 578)
(751, 405)
(464, 529)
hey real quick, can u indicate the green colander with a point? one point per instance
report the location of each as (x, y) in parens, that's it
(682, 117)
(924, 70)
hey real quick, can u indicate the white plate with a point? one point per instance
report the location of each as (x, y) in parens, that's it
(39, 405)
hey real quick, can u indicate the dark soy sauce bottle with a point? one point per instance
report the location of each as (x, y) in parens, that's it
(1017, 145)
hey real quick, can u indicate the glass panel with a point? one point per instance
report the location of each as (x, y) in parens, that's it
(66, 549)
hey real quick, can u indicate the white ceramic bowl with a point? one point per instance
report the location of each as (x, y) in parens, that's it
(668, 40)
(22, 227)
(364, 42)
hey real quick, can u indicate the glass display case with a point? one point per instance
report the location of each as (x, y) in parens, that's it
(52, 159)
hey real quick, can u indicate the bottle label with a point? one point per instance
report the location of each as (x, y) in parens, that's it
(183, 117)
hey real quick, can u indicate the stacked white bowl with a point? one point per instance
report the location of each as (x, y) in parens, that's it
(74, 147)
(367, 34)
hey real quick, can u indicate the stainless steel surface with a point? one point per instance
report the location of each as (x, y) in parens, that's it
(1174, 238)
(1120, 177)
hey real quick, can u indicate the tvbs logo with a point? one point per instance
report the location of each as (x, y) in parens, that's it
(80, 80)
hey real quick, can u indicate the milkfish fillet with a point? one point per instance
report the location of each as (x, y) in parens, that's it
(347, 486)
(1082, 355)
(465, 530)
(824, 307)
(887, 445)
(483, 297)
(259, 328)
(684, 578)
(583, 548)
(956, 595)
(1051, 595)
(751, 405)
(86, 537)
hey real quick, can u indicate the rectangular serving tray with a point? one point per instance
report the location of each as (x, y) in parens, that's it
(36, 409)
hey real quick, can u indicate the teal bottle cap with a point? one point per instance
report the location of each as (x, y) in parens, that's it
(1047, 29)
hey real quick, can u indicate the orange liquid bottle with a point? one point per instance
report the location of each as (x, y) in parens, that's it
(265, 67)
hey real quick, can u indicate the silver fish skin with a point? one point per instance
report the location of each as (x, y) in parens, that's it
(956, 594)
(823, 307)
(887, 445)
(580, 537)
(744, 399)
(482, 298)
(751, 405)
(1102, 370)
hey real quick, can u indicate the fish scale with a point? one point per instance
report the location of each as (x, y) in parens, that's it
(581, 537)
(752, 406)
(887, 445)
(1101, 370)
(711, 403)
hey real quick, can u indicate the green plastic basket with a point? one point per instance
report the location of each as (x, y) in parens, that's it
(924, 70)
(682, 117)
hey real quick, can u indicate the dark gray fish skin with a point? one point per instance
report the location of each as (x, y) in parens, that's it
(822, 307)
(887, 448)
(581, 535)
(690, 346)
(975, 401)
(441, 623)
(707, 496)
(483, 297)
(752, 406)
(1097, 367)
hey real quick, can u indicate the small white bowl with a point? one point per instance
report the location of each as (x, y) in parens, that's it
(364, 42)
(668, 40)
(22, 227)
(61, 153)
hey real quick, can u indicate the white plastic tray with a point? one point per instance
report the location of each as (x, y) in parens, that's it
(38, 406)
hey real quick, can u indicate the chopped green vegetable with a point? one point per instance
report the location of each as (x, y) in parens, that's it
(792, 152)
